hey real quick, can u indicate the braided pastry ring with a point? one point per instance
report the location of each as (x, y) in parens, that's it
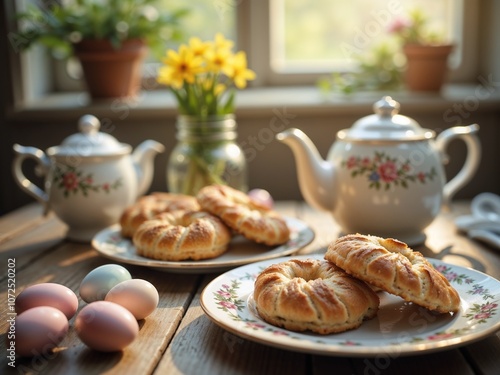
(151, 205)
(244, 214)
(394, 267)
(313, 295)
(182, 235)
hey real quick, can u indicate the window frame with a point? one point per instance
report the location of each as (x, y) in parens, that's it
(255, 16)
(253, 36)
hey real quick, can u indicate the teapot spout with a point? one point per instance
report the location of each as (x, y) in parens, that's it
(316, 176)
(143, 157)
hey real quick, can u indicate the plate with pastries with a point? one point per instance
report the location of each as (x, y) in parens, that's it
(218, 229)
(366, 296)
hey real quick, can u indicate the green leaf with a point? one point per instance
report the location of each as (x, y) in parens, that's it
(229, 106)
(97, 20)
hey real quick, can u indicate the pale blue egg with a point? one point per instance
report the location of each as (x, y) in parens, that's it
(100, 280)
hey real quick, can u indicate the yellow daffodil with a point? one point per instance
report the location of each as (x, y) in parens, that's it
(180, 67)
(219, 89)
(222, 43)
(198, 47)
(203, 76)
(219, 61)
(241, 74)
(167, 75)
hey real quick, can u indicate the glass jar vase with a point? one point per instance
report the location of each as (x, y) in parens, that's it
(206, 153)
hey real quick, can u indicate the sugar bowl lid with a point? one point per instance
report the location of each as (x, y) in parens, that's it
(90, 141)
(386, 124)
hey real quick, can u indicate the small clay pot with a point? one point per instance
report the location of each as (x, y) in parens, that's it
(111, 72)
(427, 66)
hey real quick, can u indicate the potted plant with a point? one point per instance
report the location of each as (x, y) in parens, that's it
(109, 37)
(426, 55)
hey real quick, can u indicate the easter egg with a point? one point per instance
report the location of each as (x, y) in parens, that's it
(39, 330)
(138, 296)
(48, 294)
(100, 280)
(106, 326)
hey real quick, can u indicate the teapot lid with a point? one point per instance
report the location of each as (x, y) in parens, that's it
(90, 141)
(386, 124)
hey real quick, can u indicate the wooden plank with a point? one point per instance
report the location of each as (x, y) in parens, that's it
(288, 208)
(201, 347)
(331, 365)
(41, 235)
(446, 243)
(484, 355)
(68, 265)
(27, 247)
(325, 228)
(450, 362)
(22, 217)
(25, 233)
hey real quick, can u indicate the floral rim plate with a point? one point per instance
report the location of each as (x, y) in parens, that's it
(399, 327)
(111, 244)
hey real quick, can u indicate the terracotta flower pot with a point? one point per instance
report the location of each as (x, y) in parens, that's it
(110, 72)
(427, 66)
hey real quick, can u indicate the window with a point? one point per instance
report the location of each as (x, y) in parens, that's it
(306, 39)
(294, 42)
(323, 37)
(206, 17)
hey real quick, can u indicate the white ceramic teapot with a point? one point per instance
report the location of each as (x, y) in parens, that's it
(384, 176)
(89, 179)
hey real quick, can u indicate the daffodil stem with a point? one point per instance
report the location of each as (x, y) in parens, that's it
(200, 173)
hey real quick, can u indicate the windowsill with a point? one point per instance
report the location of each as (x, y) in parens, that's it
(256, 102)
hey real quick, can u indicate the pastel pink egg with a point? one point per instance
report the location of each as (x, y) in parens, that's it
(106, 326)
(138, 296)
(263, 197)
(48, 294)
(38, 331)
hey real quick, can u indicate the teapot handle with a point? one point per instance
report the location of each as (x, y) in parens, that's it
(468, 135)
(43, 162)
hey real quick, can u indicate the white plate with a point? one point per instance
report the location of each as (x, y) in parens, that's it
(399, 327)
(111, 244)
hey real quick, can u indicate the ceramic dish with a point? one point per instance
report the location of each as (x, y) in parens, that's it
(400, 328)
(112, 245)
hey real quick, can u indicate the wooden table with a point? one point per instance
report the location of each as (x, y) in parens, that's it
(178, 338)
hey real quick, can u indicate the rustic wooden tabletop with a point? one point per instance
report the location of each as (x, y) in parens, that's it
(179, 337)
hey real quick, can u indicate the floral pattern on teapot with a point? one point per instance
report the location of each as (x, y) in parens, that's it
(74, 181)
(385, 171)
